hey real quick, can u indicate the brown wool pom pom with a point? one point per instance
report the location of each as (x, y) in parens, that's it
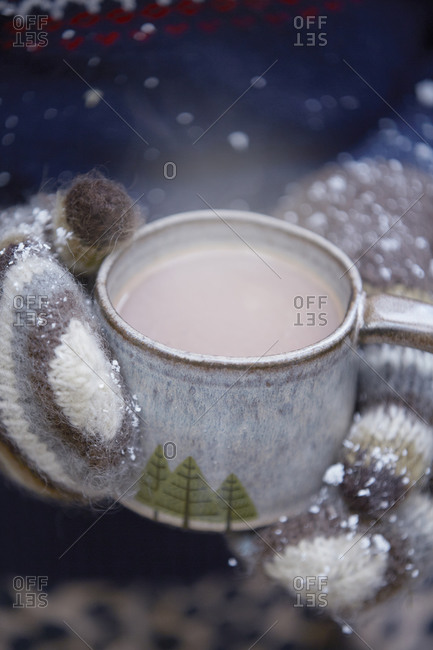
(97, 210)
(92, 216)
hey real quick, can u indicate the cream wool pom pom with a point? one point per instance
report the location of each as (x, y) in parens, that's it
(342, 580)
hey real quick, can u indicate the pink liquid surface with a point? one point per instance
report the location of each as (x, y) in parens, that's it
(230, 301)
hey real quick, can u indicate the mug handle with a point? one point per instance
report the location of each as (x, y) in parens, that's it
(397, 320)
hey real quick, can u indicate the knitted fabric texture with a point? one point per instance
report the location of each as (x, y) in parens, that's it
(328, 557)
(389, 450)
(65, 415)
(379, 213)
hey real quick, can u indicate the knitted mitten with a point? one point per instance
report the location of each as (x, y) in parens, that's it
(379, 212)
(68, 428)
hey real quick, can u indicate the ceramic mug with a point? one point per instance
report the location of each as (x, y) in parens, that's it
(234, 443)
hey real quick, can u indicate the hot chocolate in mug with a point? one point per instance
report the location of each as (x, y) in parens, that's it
(234, 440)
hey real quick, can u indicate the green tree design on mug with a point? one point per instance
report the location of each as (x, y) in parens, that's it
(185, 493)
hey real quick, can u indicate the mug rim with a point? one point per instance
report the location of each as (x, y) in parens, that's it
(144, 342)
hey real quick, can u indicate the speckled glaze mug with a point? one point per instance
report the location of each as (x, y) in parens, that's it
(234, 443)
